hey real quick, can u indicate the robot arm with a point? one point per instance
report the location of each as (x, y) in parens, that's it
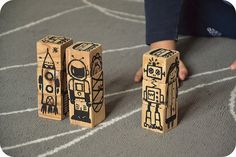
(162, 99)
(71, 91)
(145, 95)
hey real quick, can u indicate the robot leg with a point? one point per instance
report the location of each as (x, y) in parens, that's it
(148, 112)
(158, 119)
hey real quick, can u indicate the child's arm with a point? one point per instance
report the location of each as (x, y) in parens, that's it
(167, 44)
(162, 18)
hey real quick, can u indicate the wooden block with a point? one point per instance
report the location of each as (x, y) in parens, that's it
(53, 106)
(84, 58)
(51, 81)
(86, 95)
(161, 65)
(159, 118)
(51, 52)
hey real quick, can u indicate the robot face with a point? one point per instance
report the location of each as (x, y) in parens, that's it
(77, 70)
(154, 72)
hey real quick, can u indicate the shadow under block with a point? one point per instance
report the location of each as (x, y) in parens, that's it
(51, 81)
(161, 65)
(85, 84)
(54, 107)
(84, 57)
(159, 118)
(51, 52)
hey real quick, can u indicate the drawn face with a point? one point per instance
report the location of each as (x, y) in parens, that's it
(173, 76)
(154, 72)
(77, 70)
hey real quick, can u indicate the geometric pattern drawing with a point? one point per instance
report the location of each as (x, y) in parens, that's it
(97, 92)
(97, 83)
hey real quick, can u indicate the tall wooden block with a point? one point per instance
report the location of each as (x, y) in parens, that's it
(160, 64)
(160, 90)
(51, 77)
(85, 84)
(52, 106)
(51, 52)
(159, 118)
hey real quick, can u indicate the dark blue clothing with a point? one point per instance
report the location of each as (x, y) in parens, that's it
(165, 19)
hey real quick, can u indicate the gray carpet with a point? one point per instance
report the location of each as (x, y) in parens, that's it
(206, 102)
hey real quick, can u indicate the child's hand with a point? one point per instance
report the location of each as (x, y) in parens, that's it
(166, 44)
(233, 65)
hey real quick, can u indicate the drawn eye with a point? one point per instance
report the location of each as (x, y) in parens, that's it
(158, 72)
(151, 70)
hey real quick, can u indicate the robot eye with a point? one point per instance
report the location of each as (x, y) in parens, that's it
(158, 72)
(150, 70)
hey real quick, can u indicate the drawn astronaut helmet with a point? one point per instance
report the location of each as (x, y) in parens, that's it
(77, 70)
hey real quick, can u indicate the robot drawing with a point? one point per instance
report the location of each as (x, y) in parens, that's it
(153, 96)
(79, 90)
(48, 85)
(153, 70)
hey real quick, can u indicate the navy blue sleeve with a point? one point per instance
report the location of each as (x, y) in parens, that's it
(162, 18)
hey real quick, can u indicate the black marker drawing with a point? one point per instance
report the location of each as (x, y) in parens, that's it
(85, 46)
(154, 97)
(55, 39)
(54, 50)
(49, 86)
(153, 70)
(97, 82)
(79, 90)
(172, 78)
(162, 53)
(64, 87)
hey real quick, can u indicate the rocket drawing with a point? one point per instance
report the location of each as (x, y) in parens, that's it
(48, 85)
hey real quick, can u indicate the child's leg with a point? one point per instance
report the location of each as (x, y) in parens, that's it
(211, 18)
